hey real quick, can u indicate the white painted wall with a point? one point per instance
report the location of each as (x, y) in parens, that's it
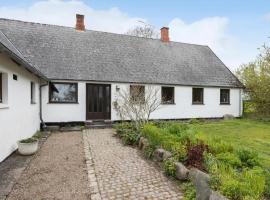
(182, 108)
(19, 118)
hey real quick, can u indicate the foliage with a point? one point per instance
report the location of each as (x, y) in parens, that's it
(189, 191)
(28, 140)
(235, 171)
(138, 106)
(249, 184)
(256, 78)
(230, 159)
(267, 185)
(149, 151)
(127, 132)
(248, 157)
(195, 154)
(174, 141)
(225, 136)
(169, 166)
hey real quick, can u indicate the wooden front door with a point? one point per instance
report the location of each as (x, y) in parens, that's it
(98, 101)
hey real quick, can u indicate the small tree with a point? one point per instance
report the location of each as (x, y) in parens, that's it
(144, 30)
(137, 104)
(256, 78)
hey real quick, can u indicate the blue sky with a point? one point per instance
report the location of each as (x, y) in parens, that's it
(234, 29)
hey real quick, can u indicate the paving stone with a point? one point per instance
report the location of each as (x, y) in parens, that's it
(121, 172)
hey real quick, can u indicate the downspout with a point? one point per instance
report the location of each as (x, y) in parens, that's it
(43, 125)
(241, 106)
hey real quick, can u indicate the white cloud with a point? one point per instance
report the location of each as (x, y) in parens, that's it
(63, 13)
(208, 31)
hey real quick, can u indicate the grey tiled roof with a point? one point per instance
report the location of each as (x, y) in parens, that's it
(64, 53)
(15, 54)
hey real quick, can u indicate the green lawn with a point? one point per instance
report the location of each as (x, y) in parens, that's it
(244, 132)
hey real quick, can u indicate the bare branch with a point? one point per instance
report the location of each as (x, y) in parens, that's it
(137, 104)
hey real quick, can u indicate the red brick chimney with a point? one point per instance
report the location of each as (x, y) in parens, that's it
(165, 34)
(80, 22)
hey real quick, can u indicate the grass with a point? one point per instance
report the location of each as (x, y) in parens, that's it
(242, 132)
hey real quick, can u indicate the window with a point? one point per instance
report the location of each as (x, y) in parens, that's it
(197, 95)
(167, 95)
(33, 92)
(1, 90)
(224, 96)
(137, 93)
(63, 93)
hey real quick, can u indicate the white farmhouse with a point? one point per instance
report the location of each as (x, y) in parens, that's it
(55, 74)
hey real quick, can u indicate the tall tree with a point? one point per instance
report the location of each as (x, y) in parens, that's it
(256, 78)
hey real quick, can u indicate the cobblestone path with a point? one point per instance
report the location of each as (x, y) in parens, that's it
(116, 171)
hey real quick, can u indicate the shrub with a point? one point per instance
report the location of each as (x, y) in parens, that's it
(148, 151)
(232, 189)
(229, 159)
(217, 146)
(248, 157)
(127, 132)
(253, 182)
(177, 128)
(237, 185)
(210, 163)
(195, 154)
(189, 191)
(169, 166)
(267, 185)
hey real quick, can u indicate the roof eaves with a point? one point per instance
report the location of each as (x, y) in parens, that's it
(241, 85)
(21, 59)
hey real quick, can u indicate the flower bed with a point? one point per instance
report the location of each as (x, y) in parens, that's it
(235, 172)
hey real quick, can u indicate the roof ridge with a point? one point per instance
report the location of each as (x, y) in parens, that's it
(105, 32)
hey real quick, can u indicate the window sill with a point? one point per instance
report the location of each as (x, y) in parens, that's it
(225, 104)
(168, 104)
(63, 103)
(198, 104)
(2, 106)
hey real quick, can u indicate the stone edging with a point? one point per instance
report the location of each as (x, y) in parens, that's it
(92, 179)
(199, 179)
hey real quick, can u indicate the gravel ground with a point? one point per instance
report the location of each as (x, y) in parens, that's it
(58, 171)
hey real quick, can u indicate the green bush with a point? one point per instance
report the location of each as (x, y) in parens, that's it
(235, 172)
(169, 166)
(267, 185)
(127, 132)
(176, 128)
(189, 191)
(161, 138)
(229, 159)
(248, 157)
(217, 146)
(148, 151)
(237, 185)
